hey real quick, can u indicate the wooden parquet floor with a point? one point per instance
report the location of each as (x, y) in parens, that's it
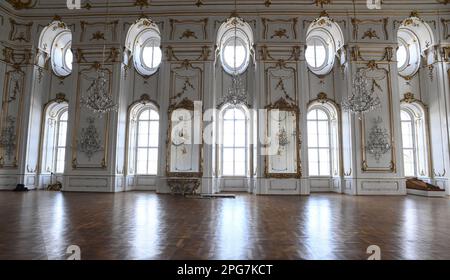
(143, 225)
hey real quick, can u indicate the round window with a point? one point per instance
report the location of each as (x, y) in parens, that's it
(68, 58)
(408, 53)
(61, 54)
(316, 53)
(235, 55)
(151, 54)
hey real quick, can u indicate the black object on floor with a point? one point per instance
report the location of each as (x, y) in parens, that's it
(21, 188)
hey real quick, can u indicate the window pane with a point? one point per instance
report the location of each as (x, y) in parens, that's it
(323, 134)
(152, 161)
(324, 162)
(154, 132)
(62, 134)
(154, 115)
(141, 164)
(320, 54)
(228, 114)
(239, 161)
(309, 55)
(60, 160)
(312, 134)
(401, 56)
(408, 161)
(227, 166)
(312, 115)
(313, 162)
(239, 114)
(239, 137)
(143, 134)
(64, 116)
(145, 115)
(407, 136)
(404, 116)
(228, 131)
(68, 58)
(234, 54)
(321, 115)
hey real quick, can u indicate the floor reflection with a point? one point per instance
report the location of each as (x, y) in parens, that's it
(143, 225)
(233, 231)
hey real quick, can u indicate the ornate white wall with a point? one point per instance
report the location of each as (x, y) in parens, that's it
(188, 43)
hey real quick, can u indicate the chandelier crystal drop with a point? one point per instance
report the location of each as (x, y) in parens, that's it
(363, 99)
(98, 99)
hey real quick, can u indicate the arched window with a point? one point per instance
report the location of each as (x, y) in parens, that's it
(143, 139)
(55, 42)
(324, 39)
(235, 45)
(323, 140)
(414, 37)
(143, 44)
(234, 133)
(414, 140)
(55, 132)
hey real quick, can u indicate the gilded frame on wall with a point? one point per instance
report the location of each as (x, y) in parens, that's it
(6, 106)
(374, 66)
(106, 118)
(184, 105)
(283, 105)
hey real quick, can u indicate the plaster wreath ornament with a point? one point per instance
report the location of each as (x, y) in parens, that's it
(378, 142)
(89, 142)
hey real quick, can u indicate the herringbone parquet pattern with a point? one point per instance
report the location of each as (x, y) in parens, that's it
(143, 225)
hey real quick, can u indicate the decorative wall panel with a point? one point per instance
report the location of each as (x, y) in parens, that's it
(380, 82)
(89, 128)
(11, 117)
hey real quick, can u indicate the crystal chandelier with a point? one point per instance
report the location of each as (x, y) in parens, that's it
(363, 99)
(378, 142)
(236, 92)
(98, 99)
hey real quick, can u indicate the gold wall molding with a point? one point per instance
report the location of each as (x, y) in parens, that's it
(284, 105)
(385, 56)
(12, 110)
(191, 78)
(186, 55)
(373, 66)
(141, 3)
(91, 56)
(85, 71)
(445, 27)
(94, 29)
(22, 4)
(20, 31)
(184, 104)
(357, 23)
(17, 57)
(293, 54)
(281, 72)
(280, 32)
(188, 24)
